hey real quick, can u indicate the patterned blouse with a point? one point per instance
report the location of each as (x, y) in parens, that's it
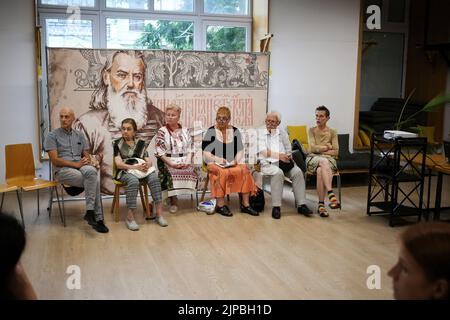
(169, 142)
(122, 149)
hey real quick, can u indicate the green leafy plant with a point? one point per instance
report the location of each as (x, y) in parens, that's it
(435, 103)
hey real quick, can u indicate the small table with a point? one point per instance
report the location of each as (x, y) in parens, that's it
(437, 163)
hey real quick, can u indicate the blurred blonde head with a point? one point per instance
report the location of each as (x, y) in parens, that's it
(174, 107)
(224, 112)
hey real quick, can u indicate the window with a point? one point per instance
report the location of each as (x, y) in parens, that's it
(219, 25)
(73, 3)
(225, 38)
(150, 34)
(127, 4)
(68, 33)
(235, 7)
(174, 5)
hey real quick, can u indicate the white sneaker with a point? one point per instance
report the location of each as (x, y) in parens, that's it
(173, 208)
(132, 225)
(161, 221)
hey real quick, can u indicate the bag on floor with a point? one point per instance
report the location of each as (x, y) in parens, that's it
(257, 201)
(207, 206)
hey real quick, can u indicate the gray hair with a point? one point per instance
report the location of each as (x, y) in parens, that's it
(174, 107)
(274, 113)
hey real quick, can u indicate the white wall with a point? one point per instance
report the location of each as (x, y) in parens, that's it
(314, 60)
(18, 107)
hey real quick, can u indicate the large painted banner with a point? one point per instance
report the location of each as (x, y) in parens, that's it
(95, 83)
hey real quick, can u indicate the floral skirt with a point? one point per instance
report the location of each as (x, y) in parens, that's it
(224, 181)
(313, 160)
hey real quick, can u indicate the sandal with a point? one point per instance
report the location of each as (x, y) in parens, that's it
(334, 204)
(322, 211)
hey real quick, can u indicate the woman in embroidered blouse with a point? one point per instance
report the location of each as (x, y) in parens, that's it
(174, 150)
(130, 147)
(222, 145)
(324, 149)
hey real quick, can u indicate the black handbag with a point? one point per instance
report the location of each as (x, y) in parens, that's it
(299, 154)
(285, 166)
(257, 201)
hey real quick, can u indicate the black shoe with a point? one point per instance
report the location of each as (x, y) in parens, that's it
(276, 213)
(90, 217)
(224, 211)
(250, 211)
(100, 227)
(304, 210)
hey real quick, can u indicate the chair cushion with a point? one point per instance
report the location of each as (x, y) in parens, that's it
(354, 161)
(300, 133)
(358, 141)
(343, 140)
(364, 138)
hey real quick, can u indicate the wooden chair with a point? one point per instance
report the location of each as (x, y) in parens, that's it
(143, 191)
(20, 172)
(4, 188)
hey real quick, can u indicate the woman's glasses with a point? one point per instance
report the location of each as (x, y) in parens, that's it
(222, 119)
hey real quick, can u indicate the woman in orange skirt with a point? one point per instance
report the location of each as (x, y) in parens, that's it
(223, 151)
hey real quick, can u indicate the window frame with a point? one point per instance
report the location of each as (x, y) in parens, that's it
(198, 16)
(227, 23)
(122, 15)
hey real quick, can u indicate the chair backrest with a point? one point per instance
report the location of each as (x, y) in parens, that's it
(343, 140)
(19, 161)
(300, 133)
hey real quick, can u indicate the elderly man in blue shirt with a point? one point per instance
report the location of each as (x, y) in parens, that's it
(68, 151)
(275, 156)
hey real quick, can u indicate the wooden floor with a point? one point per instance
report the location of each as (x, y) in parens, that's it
(213, 257)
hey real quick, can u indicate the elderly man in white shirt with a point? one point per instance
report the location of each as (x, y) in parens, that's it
(275, 156)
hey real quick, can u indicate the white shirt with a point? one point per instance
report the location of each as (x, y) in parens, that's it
(276, 142)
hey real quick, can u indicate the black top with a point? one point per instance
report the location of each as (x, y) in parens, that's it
(224, 150)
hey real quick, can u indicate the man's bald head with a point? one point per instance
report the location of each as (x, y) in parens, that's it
(66, 118)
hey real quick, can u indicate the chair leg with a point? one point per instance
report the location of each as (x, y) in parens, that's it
(196, 198)
(113, 201)
(147, 203)
(50, 203)
(38, 201)
(117, 203)
(339, 190)
(19, 199)
(3, 198)
(141, 193)
(62, 204)
(204, 188)
(62, 213)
